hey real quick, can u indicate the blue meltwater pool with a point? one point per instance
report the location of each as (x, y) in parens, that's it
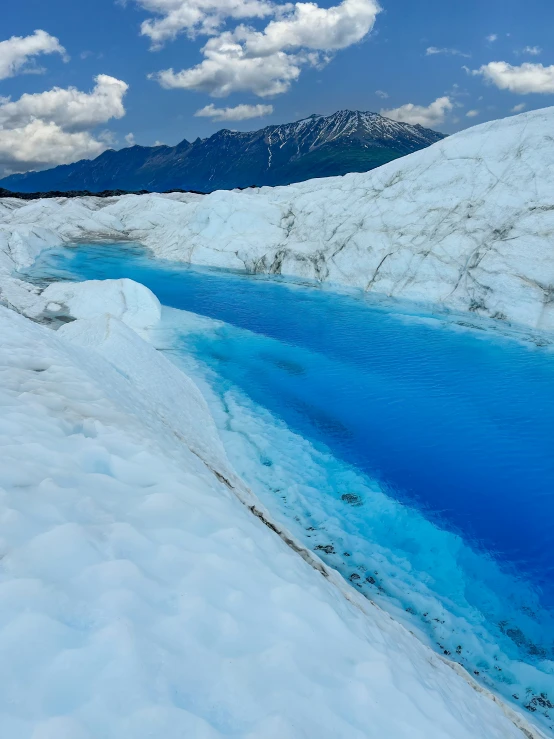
(417, 459)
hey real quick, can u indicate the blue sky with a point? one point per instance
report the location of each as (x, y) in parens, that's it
(434, 62)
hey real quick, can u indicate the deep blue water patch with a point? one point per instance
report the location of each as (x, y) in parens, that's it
(457, 425)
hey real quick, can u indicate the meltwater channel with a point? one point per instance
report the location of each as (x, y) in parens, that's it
(416, 459)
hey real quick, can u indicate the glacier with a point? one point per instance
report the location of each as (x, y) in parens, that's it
(466, 224)
(139, 596)
(144, 590)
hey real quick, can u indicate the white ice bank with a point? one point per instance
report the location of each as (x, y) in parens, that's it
(139, 595)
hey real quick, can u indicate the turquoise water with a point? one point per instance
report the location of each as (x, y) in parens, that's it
(417, 460)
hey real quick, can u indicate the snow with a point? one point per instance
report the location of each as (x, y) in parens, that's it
(466, 224)
(140, 597)
(135, 305)
(132, 303)
(152, 375)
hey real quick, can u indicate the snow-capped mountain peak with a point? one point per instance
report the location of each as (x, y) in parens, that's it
(316, 146)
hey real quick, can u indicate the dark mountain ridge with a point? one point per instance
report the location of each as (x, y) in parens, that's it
(78, 193)
(318, 146)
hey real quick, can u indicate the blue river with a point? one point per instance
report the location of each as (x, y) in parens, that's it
(417, 459)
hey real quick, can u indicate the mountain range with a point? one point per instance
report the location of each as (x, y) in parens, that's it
(317, 146)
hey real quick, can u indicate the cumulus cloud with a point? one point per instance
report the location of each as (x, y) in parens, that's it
(227, 68)
(525, 79)
(238, 113)
(40, 144)
(491, 38)
(54, 127)
(472, 113)
(69, 108)
(267, 62)
(308, 26)
(433, 50)
(17, 53)
(382, 94)
(130, 139)
(428, 116)
(518, 108)
(196, 16)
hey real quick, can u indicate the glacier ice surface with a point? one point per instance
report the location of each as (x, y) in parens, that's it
(138, 595)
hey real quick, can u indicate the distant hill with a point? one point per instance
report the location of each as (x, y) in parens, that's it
(318, 146)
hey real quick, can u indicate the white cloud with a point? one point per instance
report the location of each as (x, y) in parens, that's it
(382, 94)
(227, 68)
(267, 62)
(472, 113)
(107, 137)
(532, 50)
(518, 108)
(69, 108)
(54, 127)
(196, 16)
(238, 113)
(40, 144)
(433, 50)
(432, 115)
(525, 79)
(308, 26)
(17, 53)
(130, 139)
(492, 38)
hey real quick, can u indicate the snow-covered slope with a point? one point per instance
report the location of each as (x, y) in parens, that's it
(467, 223)
(139, 595)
